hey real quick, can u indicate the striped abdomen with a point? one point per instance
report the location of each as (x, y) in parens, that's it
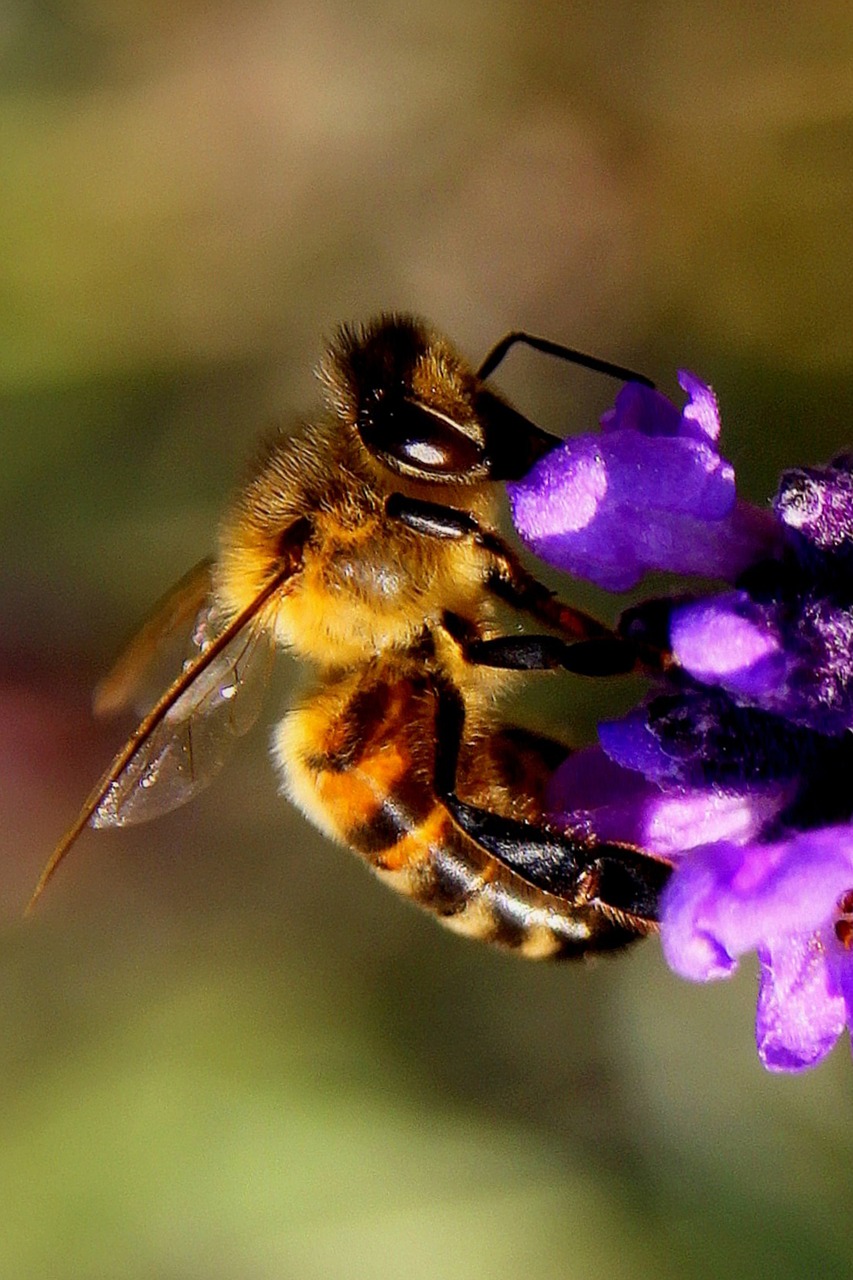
(358, 760)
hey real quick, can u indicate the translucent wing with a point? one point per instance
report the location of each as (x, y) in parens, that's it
(193, 739)
(181, 743)
(135, 679)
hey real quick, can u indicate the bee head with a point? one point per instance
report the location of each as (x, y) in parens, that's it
(421, 411)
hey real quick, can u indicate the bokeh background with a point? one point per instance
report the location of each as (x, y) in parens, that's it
(224, 1050)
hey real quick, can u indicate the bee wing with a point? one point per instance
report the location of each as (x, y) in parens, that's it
(129, 682)
(191, 742)
(178, 746)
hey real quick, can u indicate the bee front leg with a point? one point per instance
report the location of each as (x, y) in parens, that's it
(618, 880)
(503, 573)
(506, 577)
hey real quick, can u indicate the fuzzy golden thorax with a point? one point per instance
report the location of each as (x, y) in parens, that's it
(367, 583)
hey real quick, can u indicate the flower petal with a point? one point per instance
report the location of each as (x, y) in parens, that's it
(701, 413)
(731, 899)
(731, 641)
(632, 744)
(801, 1012)
(609, 508)
(643, 409)
(689, 928)
(590, 791)
(650, 492)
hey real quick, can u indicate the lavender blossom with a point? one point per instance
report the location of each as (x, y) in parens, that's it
(651, 468)
(737, 766)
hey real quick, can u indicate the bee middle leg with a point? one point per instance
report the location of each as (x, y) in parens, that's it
(608, 655)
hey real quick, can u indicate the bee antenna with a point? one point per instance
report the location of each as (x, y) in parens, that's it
(548, 348)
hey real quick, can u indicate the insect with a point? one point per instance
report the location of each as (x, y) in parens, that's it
(366, 545)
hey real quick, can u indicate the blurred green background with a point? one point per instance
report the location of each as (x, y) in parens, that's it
(226, 1052)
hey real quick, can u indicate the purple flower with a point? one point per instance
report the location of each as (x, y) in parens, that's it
(622, 804)
(783, 900)
(651, 466)
(737, 766)
(792, 655)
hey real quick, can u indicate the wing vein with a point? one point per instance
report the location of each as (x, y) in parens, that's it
(151, 722)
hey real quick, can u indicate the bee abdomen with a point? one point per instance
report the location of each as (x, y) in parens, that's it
(363, 774)
(446, 873)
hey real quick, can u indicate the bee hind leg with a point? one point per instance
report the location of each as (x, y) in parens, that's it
(619, 880)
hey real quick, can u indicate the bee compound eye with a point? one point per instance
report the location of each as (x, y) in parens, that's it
(418, 441)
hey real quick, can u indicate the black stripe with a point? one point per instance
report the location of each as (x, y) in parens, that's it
(447, 885)
(389, 825)
(364, 714)
(511, 920)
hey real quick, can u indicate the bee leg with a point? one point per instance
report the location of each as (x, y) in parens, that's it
(608, 655)
(619, 880)
(507, 578)
(504, 574)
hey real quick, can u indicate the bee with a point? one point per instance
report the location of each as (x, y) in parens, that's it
(366, 545)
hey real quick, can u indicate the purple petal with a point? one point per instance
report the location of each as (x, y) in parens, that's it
(725, 900)
(585, 506)
(618, 804)
(650, 492)
(791, 657)
(686, 477)
(686, 818)
(644, 409)
(592, 792)
(631, 743)
(731, 641)
(589, 780)
(701, 414)
(689, 930)
(641, 408)
(801, 1012)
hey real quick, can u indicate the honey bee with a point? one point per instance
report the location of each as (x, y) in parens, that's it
(366, 545)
